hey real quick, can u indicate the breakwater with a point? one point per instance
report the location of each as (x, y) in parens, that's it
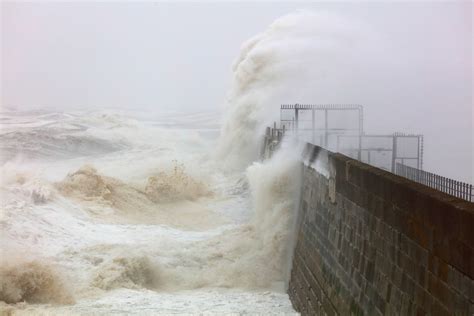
(370, 242)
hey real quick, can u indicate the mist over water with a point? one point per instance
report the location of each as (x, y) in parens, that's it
(159, 217)
(98, 205)
(408, 63)
(137, 212)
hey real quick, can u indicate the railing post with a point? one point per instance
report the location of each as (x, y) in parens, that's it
(296, 119)
(394, 151)
(326, 140)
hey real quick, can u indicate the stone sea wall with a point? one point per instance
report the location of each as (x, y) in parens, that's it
(373, 243)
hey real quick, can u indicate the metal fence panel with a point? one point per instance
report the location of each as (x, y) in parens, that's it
(458, 189)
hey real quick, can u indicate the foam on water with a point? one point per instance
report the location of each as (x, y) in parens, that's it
(106, 209)
(32, 281)
(86, 226)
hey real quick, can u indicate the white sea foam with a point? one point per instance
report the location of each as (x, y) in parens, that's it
(132, 211)
(168, 223)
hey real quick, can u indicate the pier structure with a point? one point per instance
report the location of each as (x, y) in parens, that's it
(371, 240)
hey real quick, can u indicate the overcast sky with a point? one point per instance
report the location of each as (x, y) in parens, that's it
(161, 56)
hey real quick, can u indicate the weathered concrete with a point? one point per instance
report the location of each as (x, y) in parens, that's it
(373, 243)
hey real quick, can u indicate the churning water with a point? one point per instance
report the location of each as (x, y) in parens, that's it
(103, 212)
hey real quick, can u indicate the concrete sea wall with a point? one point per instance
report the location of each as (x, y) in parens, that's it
(373, 243)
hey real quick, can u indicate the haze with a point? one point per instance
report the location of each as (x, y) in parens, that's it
(177, 57)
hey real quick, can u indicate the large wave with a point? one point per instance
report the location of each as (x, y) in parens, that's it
(137, 219)
(304, 57)
(166, 198)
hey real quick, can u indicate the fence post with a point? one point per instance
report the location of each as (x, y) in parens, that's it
(394, 151)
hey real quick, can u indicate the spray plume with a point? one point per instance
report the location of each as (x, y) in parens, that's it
(304, 57)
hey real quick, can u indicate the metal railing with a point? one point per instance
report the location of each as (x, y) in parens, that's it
(271, 141)
(339, 127)
(452, 187)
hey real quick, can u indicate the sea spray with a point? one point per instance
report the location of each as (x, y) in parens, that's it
(137, 241)
(275, 187)
(254, 255)
(304, 57)
(127, 272)
(168, 197)
(107, 234)
(32, 280)
(175, 185)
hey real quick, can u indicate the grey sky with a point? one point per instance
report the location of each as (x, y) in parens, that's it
(178, 56)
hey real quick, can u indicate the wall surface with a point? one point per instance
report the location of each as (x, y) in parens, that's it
(373, 243)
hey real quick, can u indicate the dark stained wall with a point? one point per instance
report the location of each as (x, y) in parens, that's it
(373, 243)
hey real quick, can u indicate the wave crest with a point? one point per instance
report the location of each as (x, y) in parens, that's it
(127, 272)
(32, 282)
(86, 183)
(175, 185)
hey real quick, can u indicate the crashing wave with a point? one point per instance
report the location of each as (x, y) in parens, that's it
(32, 282)
(168, 198)
(127, 272)
(175, 185)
